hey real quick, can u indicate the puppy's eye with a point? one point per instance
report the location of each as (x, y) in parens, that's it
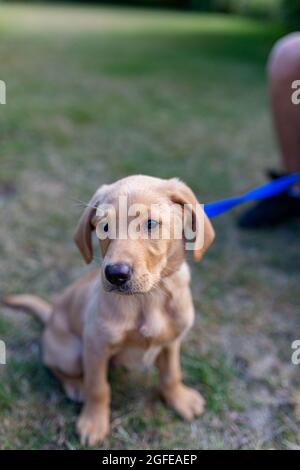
(151, 224)
(105, 228)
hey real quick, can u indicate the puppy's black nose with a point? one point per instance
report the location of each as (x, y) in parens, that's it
(118, 273)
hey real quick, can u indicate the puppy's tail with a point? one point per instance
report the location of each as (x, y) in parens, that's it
(41, 309)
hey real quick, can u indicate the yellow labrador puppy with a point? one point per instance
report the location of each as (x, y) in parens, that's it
(136, 310)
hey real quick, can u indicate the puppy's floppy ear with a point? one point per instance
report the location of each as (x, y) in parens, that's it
(85, 227)
(181, 194)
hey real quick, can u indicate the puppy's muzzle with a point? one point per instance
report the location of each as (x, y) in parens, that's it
(118, 274)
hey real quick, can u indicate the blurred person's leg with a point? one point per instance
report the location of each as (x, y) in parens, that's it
(283, 70)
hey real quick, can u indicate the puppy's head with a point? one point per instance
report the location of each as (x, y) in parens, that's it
(140, 222)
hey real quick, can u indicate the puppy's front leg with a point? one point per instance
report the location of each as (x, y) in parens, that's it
(93, 422)
(187, 402)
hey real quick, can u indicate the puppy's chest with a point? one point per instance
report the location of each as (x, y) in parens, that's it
(154, 328)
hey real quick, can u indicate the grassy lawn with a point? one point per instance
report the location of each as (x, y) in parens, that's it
(94, 94)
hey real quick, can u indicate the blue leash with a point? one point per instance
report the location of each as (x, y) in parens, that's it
(275, 187)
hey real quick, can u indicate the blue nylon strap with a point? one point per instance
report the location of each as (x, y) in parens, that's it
(275, 187)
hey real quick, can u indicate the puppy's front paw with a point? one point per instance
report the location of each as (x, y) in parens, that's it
(186, 401)
(92, 427)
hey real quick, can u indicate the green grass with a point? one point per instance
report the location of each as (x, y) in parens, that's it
(94, 94)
